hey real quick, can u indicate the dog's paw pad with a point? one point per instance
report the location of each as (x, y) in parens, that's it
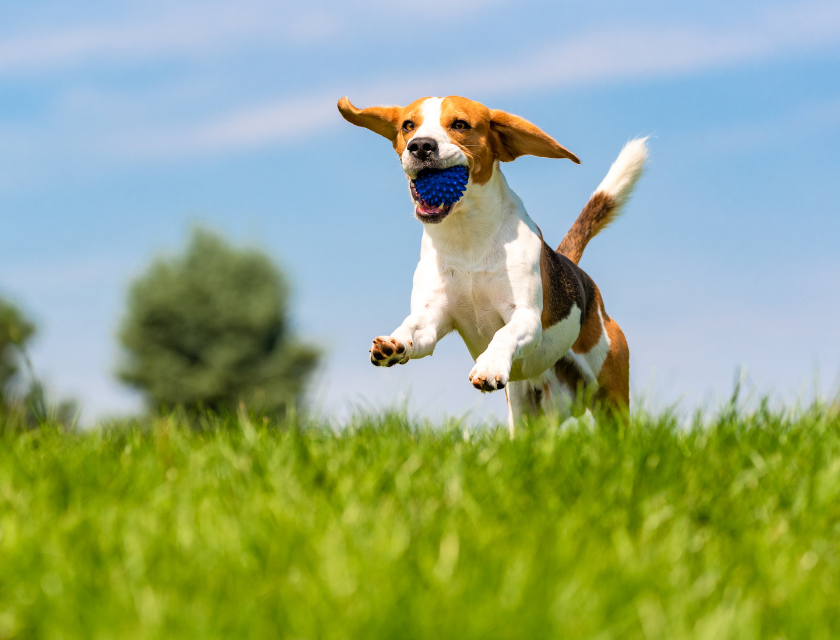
(386, 352)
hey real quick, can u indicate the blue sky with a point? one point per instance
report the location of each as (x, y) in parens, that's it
(123, 124)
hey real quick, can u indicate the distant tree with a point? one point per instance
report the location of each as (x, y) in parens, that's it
(209, 329)
(24, 405)
(15, 331)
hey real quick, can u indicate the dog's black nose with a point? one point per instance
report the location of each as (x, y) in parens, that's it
(422, 148)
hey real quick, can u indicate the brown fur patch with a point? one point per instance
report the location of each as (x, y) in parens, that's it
(596, 215)
(614, 378)
(478, 142)
(414, 113)
(386, 121)
(518, 137)
(495, 136)
(381, 120)
(564, 285)
(591, 328)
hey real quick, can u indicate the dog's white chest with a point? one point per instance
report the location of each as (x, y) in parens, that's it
(475, 297)
(482, 278)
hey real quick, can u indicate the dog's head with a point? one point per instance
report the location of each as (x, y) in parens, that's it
(438, 133)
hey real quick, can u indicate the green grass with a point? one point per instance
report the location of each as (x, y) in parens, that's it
(391, 530)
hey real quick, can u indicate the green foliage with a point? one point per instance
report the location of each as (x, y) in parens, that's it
(24, 406)
(390, 530)
(15, 332)
(209, 329)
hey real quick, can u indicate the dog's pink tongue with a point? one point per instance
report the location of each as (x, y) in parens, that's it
(428, 209)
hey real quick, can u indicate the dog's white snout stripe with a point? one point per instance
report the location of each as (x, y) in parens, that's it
(448, 152)
(430, 127)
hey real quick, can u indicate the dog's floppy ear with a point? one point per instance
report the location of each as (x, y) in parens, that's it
(381, 120)
(518, 137)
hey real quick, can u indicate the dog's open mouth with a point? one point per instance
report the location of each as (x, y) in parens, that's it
(425, 211)
(436, 191)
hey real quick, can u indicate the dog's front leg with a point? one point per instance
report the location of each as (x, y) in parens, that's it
(519, 337)
(428, 323)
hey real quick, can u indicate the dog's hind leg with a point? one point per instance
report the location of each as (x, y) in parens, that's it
(614, 377)
(546, 395)
(599, 356)
(511, 421)
(523, 400)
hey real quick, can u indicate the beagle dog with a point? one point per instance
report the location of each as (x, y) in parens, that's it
(533, 321)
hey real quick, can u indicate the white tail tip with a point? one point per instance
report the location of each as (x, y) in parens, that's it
(625, 171)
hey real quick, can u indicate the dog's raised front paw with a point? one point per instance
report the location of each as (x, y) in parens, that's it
(386, 352)
(490, 374)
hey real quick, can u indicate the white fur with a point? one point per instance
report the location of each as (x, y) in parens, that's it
(479, 274)
(625, 172)
(554, 341)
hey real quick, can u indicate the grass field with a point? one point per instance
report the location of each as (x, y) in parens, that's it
(385, 529)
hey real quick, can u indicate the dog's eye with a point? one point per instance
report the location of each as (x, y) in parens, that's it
(460, 125)
(408, 125)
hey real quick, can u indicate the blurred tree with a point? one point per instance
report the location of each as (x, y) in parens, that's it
(23, 406)
(209, 329)
(15, 332)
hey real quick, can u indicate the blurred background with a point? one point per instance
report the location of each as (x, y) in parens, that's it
(124, 125)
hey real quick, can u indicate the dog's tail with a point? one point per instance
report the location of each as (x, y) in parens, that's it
(605, 204)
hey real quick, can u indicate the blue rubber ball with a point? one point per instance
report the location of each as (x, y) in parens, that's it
(442, 187)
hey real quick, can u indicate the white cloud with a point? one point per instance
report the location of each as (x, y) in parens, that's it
(200, 28)
(663, 50)
(602, 56)
(135, 124)
(196, 29)
(254, 127)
